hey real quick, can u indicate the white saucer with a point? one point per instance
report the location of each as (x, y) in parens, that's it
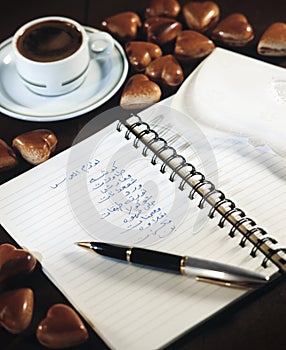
(19, 102)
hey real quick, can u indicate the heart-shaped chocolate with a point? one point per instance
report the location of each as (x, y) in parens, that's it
(165, 8)
(161, 30)
(123, 25)
(15, 262)
(141, 53)
(201, 16)
(16, 309)
(8, 157)
(165, 69)
(36, 146)
(191, 45)
(273, 40)
(139, 92)
(62, 328)
(233, 30)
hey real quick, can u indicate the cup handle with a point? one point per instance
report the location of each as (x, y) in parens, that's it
(101, 44)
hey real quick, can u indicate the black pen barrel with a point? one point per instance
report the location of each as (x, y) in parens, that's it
(110, 250)
(140, 256)
(156, 259)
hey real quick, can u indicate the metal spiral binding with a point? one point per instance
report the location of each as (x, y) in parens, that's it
(231, 211)
(259, 243)
(259, 230)
(146, 148)
(274, 252)
(178, 168)
(225, 207)
(240, 222)
(168, 160)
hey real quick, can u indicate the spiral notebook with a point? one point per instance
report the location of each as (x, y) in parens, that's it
(159, 181)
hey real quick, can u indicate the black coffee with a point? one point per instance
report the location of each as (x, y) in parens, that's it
(49, 41)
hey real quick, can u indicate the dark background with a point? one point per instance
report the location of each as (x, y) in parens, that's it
(257, 322)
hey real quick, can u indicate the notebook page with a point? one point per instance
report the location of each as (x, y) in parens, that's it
(91, 192)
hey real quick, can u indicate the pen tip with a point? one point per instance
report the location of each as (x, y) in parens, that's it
(86, 245)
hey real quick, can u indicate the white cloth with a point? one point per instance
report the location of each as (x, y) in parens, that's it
(235, 95)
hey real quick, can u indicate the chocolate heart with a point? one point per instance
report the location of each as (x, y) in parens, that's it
(14, 262)
(62, 328)
(234, 30)
(16, 309)
(167, 8)
(201, 16)
(191, 45)
(139, 92)
(273, 40)
(35, 146)
(162, 30)
(165, 69)
(8, 157)
(141, 53)
(123, 25)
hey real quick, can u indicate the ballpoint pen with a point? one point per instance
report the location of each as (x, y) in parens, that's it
(200, 269)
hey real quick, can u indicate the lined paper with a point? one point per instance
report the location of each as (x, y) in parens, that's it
(104, 189)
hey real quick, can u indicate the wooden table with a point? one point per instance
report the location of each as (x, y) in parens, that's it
(255, 323)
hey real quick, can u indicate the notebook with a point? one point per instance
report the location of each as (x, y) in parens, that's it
(159, 180)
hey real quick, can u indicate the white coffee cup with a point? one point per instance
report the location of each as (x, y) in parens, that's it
(52, 54)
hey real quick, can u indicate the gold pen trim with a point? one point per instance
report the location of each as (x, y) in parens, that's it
(85, 245)
(128, 254)
(183, 265)
(229, 284)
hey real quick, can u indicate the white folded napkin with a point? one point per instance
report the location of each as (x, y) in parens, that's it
(232, 94)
